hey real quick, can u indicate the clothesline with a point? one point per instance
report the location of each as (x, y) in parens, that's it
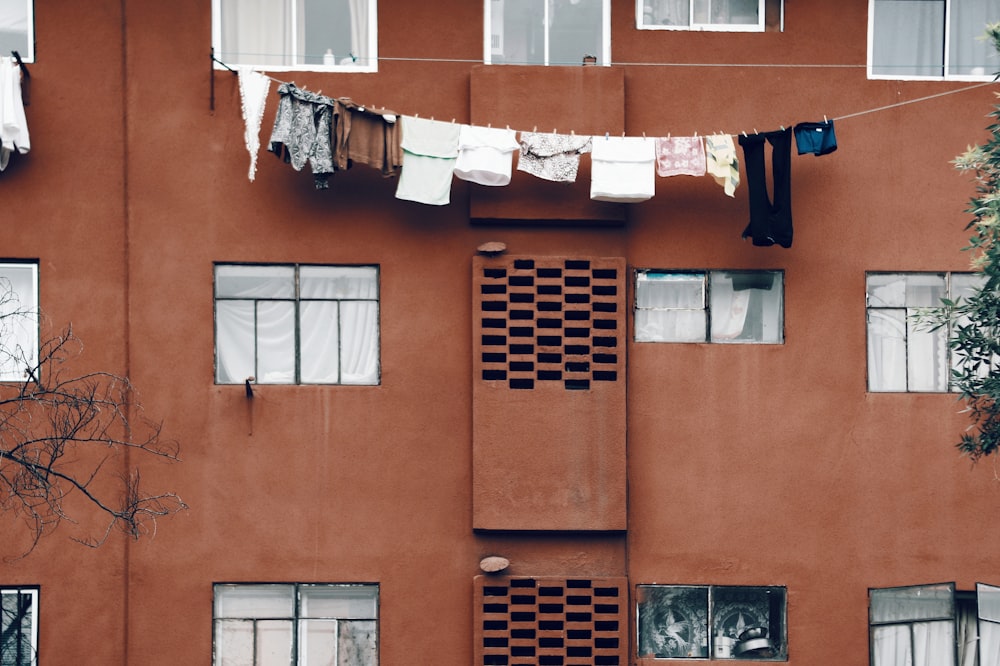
(732, 134)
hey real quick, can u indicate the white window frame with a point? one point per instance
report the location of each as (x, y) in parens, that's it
(708, 27)
(229, 620)
(603, 58)
(944, 76)
(7, 7)
(360, 64)
(6, 593)
(296, 299)
(705, 305)
(909, 314)
(19, 333)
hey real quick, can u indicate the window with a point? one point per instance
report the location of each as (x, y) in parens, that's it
(298, 624)
(903, 354)
(18, 320)
(914, 39)
(19, 626)
(17, 28)
(296, 34)
(709, 306)
(934, 625)
(711, 622)
(291, 324)
(547, 32)
(732, 15)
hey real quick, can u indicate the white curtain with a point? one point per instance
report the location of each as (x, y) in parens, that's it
(908, 38)
(988, 598)
(913, 626)
(968, 53)
(274, 32)
(670, 308)
(256, 32)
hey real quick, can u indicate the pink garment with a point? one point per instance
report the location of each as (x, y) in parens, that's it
(680, 156)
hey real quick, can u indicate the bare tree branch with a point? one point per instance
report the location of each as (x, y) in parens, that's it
(70, 444)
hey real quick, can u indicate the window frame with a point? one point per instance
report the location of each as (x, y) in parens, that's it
(946, 53)
(603, 58)
(33, 592)
(298, 617)
(760, 26)
(714, 620)
(908, 317)
(296, 300)
(707, 281)
(370, 66)
(29, 311)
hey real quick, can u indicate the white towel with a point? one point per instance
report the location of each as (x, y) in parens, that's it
(253, 96)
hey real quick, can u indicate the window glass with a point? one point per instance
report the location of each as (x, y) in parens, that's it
(296, 324)
(547, 32)
(19, 627)
(714, 306)
(700, 14)
(17, 28)
(904, 353)
(931, 38)
(913, 625)
(296, 34)
(297, 624)
(731, 622)
(18, 320)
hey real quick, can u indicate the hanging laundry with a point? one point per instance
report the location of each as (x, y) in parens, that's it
(770, 216)
(816, 138)
(622, 169)
(430, 150)
(721, 162)
(552, 156)
(485, 155)
(680, 156)
(13, 123)
(303, 129)
(365, 135)
(253, 96)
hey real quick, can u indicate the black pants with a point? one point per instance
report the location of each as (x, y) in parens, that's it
(770, 219)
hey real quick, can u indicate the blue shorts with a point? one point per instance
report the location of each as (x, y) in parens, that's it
(816, 138)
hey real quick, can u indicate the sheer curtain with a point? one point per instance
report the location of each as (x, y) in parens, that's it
(908, 38)
(968, 53)
(286, 33)
(913, 626)
(989, 624)
(670, 307)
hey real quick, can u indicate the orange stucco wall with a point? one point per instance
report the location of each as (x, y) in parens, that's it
(746, 464)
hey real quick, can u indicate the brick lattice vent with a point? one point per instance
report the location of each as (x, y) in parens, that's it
(523, 621)
(551, 320)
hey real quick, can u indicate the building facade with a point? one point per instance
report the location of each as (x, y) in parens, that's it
(673, 419)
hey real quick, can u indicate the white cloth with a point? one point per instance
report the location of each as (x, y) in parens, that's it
(13, 123)
(623, 169)
(253, 96)
(430, 150)
(485, 154)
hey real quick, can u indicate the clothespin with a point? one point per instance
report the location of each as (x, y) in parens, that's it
(755, 131)
(452, 121)
(782, 127)
(553, 131)
(607, 135)
(535, 129)
(745, 133)
(824, 118)
(696, 135)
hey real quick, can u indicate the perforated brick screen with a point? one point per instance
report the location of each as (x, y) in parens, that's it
(551, 320)
(523, 621)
